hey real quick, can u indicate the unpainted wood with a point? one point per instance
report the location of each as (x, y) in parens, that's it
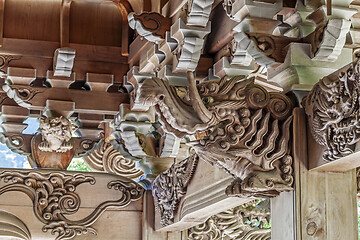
(326, 201)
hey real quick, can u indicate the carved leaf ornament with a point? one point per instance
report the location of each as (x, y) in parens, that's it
(170, 186)
(54, 197)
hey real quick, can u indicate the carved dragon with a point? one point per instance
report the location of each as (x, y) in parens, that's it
(333, 113)
(248, 221)
(246, 128)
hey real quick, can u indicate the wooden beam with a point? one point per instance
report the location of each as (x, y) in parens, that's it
(84, 52)
(65, 23)
(344, 164)
(138, 46)
(85, 101)
(2, 13)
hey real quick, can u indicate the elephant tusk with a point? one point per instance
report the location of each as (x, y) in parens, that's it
(203, 113)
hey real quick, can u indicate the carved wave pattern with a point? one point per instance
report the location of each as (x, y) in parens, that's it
(107, 159)
(54, 196)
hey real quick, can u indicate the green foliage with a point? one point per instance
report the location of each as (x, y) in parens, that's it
(78, 164)
(267, 225)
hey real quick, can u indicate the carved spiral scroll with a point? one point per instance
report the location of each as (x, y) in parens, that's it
(257, 97)
(280, 106)
(107, 159)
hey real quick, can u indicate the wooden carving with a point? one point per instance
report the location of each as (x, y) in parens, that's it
(56, 133)
(332, 107)
(13, 227)
(150, 25)
(54, 198)
(170, 186)
(247, 129)
(5, 60)
(245, 222)
(107, 159)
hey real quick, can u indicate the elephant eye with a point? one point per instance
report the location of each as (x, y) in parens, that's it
(207, 100)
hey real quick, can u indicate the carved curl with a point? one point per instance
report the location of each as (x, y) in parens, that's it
(54, 197)
(107, 159)
(246, 129)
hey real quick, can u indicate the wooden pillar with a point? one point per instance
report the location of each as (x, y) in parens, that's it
(283, 216)
(325, 201)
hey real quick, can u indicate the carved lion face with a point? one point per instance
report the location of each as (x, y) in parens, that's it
(56, 133)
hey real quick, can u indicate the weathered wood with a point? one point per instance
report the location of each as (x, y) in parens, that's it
(323, 198)
(148, 231)
(283, 216)
(205, 197)
(138, 46)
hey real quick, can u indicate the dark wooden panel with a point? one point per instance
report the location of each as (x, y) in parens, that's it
(95, 23)
(35, 19)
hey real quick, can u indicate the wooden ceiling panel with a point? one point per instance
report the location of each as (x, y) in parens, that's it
(32, 19)
(95, 23)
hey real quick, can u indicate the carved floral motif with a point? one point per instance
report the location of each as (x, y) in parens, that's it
(54, 197)
(245, 222)
(332, 108)
(170, 186)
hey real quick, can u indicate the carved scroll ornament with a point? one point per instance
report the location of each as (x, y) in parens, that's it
(107, 159)
(245, 222)
(332, 107)
(150, 25)
(170, 186)
(54, 197)
(247, 129)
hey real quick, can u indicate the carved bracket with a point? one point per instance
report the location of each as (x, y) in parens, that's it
(107, 159)
(152, 26)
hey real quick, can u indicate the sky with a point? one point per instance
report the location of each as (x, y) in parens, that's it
(9, 159)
